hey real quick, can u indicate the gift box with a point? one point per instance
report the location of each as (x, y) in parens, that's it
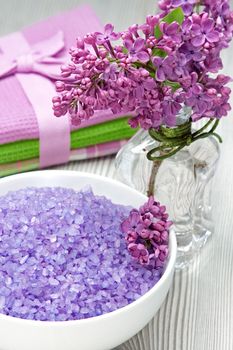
(30, 136)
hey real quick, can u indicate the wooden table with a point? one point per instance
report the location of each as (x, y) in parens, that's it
(198, 311)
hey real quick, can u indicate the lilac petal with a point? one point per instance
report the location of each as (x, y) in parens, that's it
(186, 26)
(206, 98)
(175, 107)
(182, 59)
(143, 56)
(149, 84)
(202, 106)
(134, 216)
(195, 117)
(139, 92)
(187, 9)
(177, 2)
(134, 57)
(196, 29)
(194, 77)
(160, 76)
(170, 120)
(157, 61)
(198, 40)
(128, 44)
(115, 36)
(197, 56)
(108, 28)
(139, 44)
(207, 24)
(212, 36)
(197, 89)
(99, 34)
(179, 71)
(172, 28)
(125, 226)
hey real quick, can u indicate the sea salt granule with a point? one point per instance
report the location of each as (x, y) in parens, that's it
(63, 256)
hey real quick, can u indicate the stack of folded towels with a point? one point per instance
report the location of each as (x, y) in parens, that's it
(26, 91)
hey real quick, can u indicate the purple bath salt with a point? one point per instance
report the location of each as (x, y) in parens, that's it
(63, 256)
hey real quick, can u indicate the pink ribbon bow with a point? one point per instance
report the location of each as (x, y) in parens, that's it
(39, 59)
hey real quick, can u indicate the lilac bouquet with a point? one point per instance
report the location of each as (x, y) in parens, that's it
(152, 71)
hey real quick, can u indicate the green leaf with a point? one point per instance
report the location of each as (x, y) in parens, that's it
(157, 32)
(159, 52)
(124, 50)
(176, 15)
(173, 84)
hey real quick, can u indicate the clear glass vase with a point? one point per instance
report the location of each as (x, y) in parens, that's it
(182, 182)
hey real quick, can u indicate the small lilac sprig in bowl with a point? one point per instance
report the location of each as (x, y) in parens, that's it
(153, 70)
(147, 234)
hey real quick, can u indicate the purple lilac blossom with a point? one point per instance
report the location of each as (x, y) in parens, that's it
(137, 50)
(147, 233)
(131, 75)
(108, 34)
(187, 5)
(63, 256)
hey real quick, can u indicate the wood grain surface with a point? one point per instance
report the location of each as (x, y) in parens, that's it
(198, 311)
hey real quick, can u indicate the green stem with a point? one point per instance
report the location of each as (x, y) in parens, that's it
(172, 140)
(214, 126)
(167, 155)
(203, 128)
(146, 66)
(151, 185)
(217, 136)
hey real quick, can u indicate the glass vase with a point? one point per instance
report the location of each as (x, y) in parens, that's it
(182, 182)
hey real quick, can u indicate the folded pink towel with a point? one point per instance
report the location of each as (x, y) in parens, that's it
(17, 116)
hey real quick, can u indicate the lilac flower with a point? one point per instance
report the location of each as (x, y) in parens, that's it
(134, 30)
(204, 30)
(137, 50)
(219, 94)
(165, 4)
(171, 31)
(146, 232)
(161, 68)
(187, 5)
(191, 52)
(172, 67)
(189, 81)
(176, 66)
(170, 109)
(139, 252)
(110, 72)
(198, 99)
(108, 35)
(132, 222)
(213, 63)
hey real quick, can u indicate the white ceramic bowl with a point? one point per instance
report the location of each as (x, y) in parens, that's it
(97, 333)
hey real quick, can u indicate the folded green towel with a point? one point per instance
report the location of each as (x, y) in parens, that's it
(117, 129)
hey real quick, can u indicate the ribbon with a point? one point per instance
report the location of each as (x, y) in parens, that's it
(38, 58)
(31, 66)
